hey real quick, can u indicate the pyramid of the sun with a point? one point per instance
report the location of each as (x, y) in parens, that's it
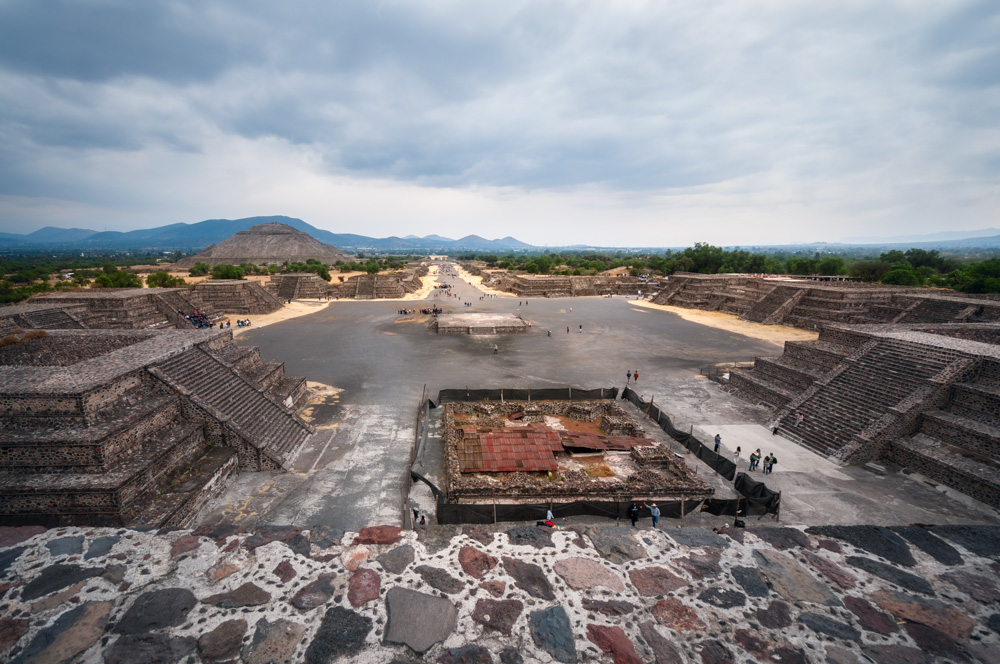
(267, 243)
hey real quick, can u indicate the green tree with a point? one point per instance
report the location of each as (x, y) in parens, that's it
(112, 277)
(903, 274)
(981, 277)
(162, 279)
(226, 271)
(200, 269)
(870, 270)
(831, 265)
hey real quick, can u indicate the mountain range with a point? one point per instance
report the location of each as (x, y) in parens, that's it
(193, 237)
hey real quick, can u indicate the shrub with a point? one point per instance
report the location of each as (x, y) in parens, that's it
(9, 340)
(34, 334)
(162, 279)
(200, 269)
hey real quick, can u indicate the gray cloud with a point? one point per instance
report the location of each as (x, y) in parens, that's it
(644, 100)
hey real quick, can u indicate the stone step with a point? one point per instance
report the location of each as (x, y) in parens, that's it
(957, 429)
(971, 474)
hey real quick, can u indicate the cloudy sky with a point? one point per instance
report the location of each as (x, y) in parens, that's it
(610, 123)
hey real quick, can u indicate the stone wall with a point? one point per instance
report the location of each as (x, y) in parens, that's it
(238, 297)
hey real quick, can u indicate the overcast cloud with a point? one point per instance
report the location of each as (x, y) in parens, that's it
(622, 123)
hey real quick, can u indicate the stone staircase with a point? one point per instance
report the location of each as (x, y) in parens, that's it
(857, 396)
(274, 432)
(939, 310)
(759, 312)
(366, 287)
(288, 287)
(52, 319)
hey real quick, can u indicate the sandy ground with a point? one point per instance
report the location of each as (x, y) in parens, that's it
(776, 334)
(477, 282)
(294, 310)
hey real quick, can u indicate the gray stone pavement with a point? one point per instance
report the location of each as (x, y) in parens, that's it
(354, 470)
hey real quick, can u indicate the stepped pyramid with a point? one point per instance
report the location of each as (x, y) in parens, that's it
(267, 243)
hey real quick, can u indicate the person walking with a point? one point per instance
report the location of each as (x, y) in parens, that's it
(496, 349)
(628, 377)
(654, 511)
(635, 376)
(718, 442)
(756, 463)
(633, 513)
(736, 456)
(753, 460)
(567, 329)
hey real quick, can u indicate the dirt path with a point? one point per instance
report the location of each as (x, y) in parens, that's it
(776, 334)
(294, 310)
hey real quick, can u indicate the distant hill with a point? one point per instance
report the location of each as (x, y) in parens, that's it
(198, 236)
(943, 236)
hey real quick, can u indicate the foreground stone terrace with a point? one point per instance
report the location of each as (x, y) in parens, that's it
(592, 594)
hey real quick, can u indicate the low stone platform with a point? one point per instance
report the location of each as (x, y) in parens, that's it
(525, 594)
(480, 324)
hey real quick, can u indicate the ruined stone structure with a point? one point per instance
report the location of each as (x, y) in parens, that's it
(926, 397)
(297, 285)
(525, 285)
(112, 427)
(267, 244)
(381, 286)
(541, 450)
(38, 315)
(237, 296)
(479, 324)
(810, 304)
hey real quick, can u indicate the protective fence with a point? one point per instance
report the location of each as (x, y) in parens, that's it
(526, 394)
(751, 489)
(454, 513)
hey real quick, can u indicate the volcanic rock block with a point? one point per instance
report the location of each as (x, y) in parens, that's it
(408, 624)
(273, 642)
(224, 641)
(247, 594)
(529, 578)
(341, 634)
(791, 580)
(157, 609)
(617, 545)
(363, 587)
(56, 577)
(655, 581)
(474, 562)
(150, 649)
(892, 574)
(71, 634)
(613, 640)
(874, 539)
(439, 579)
(937, 615)
(673, 613)
(499, 615)
(379, 535)
(314, 594)
(664, 651)
(584, 573)
(551, 630)
(396, 560)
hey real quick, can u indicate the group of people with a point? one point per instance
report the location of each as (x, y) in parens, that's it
(755, 459)
(633, 513)
(629, 376)
(198, 319)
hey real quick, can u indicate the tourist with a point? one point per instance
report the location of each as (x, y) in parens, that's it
(654, 511)
(718, 442)
(581, 329)
(548, 515)
(496, 349)
(567, 329)
(753, 460)
(770, 466)
(633, 513)
(628, 377)
(775, 423)
(423, 521)
(736, 456)
(798, 419)
(635, 376)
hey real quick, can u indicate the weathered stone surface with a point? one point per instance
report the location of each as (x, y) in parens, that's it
(224, 641)
(12, 629)
(273, 642)
(157, 609)
(776, 616)
(221, 570)
(471, 654)
(874, 539)
(440, 579)
(435, 538)
(752, 642)
(65, 546)
(584, 573)
(714, 652)
(551, 630)
(791, 580)
(980, 588)
(696, 537)
(218, 532)
(149, 649)
(363, 587)
(870, 618)
(655, 581)
(612, 607)
(56, 577)
(722, 598)
(529, 577)
(284, 571)
(892, 574)
(981, 540)
(783, 538)
(840, 655)
(664, 651)
(248, 594)
(932, 613)
(535, 536)
(183, 544)
(315, 593)
(993, 622)
(355, 557)
(396, 560)
(114, 573)
(789, 655)
(481, 535)
(495, 588)
(408, 624)
(101, 546)
(341, 634)
(326, 536)
(499, 615)
(290, 536)
(615, 544)
(934, 641)
(8, 557)
(510, 655)
(72, 633)
(474, 562)
(11, 535)
(826, 625)
(673, 613)
(930, 544)
(379, 535)
(829, 545)
(54, 600)
(894, 654)
(749, 579)
(701, 565)
(613, 640)
(831, 570)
